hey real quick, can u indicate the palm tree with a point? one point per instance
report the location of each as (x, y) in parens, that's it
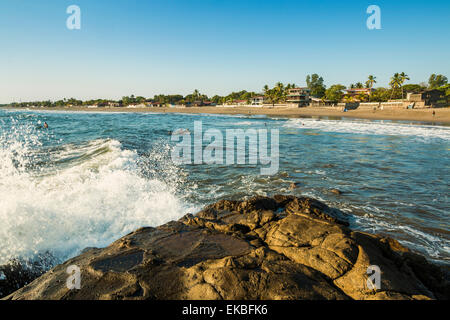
(396, 82)
(403, 78)
(290, 86)
(269, 94)
(196, 94)
(369, 83)
(280, 91)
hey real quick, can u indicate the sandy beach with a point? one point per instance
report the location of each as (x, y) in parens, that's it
(442, 115)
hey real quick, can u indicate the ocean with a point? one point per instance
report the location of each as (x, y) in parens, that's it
(92, 177)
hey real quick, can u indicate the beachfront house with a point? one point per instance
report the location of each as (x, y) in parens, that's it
(319, 102)
(197, 103)
(433, 98)
(113, 104)
(298, 96)
(355, 92)
(257, 101)
(208, 103)
(240, 102)
(154, 104)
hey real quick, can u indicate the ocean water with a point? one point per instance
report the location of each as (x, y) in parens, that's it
(94, 177)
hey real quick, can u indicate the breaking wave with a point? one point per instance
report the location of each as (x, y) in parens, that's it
(371, 128)
(58, 200)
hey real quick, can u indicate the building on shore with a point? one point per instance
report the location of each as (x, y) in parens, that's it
(257, 101)
(198, 103)
(319, 102)
(140, 105)
(432, 98)
(154, 104)
(298, 96)
(240, 102)
(355, 92)
(208, 103)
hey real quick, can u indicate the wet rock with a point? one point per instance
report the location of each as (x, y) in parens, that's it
(336, 191)
(293, 185)
(283, 247)
(16, 274)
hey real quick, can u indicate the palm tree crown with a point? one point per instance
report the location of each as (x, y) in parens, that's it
(396, 82)
(403, 77)
(370, 81)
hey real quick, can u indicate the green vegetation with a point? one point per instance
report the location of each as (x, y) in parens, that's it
(335, 93)
(380, 95)
(371, 81)
(446, 89)
(357, 85)
(277, 94)
(395, 83)
(132, 100)
(241, 95)
(169, 99)
(403, 78)
(315, 83)
(436, 81)
(414, 88)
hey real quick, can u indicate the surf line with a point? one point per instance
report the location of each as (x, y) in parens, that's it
(235, 153)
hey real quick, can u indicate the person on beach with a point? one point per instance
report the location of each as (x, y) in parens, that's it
(434, 113)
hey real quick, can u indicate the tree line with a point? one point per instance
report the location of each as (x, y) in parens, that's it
(396, 90)
(277, 94)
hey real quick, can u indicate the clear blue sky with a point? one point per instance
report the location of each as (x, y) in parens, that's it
(175, 46)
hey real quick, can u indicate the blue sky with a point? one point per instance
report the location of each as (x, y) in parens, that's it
(175, 46)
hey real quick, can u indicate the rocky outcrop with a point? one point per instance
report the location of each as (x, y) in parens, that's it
(263, 248)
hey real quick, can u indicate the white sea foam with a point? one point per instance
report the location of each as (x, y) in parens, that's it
(88, 197)
(376, 221)
(242, 123)
(371, 128)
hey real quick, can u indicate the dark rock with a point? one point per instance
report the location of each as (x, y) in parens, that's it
(16, 274)
(283, 247)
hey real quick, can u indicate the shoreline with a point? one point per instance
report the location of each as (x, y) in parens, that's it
(442, 115)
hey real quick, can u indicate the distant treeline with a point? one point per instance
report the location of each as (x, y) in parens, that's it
(277, 94)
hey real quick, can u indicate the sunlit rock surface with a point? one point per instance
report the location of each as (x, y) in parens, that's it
(263, 248)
